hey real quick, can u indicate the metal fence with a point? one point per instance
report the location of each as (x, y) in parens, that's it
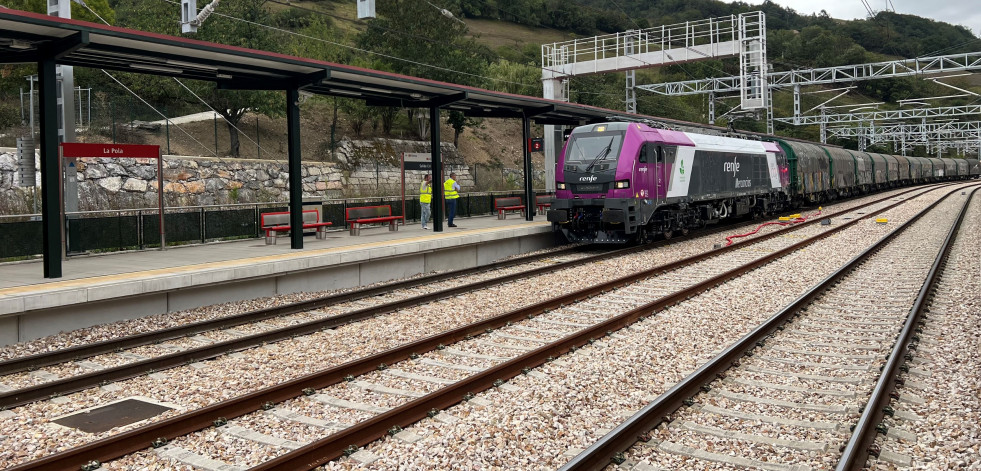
(138, 229)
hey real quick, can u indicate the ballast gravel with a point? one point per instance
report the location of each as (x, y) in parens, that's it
(26, 434)
(546, 419)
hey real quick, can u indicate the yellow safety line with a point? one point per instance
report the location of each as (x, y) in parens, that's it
(53, 285)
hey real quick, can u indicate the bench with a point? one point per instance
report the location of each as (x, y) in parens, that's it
(279, 222)
(503, 205)
(544, 203)
(356, 217)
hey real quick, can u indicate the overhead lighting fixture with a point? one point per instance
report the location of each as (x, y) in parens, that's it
(377, 90)
(156, 68)
(344, 92)
(193, 65)
(415, 96)
(21, 45)
(224, 76)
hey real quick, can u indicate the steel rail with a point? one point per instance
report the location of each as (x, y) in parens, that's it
(159, 432)
(610, 447)
(64, 386)
(31, 362)
(336, 445)
(60, 387)
(26, 363)
(861, 444)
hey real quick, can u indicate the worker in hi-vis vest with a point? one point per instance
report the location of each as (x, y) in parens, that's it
(450, 189)
(426, 199)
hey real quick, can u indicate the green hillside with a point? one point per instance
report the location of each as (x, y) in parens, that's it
(496, 44)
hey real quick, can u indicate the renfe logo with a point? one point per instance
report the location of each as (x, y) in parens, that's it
(731, 167)
(590, 179)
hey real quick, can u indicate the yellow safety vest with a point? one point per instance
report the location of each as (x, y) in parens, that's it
(425, 193)
(448, 190)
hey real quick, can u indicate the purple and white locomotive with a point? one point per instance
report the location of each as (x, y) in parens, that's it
(618, 182)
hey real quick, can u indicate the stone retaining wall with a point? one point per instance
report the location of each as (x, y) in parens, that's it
(193, 181)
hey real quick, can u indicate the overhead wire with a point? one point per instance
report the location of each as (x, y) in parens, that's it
(358, 22)
(259, 147)
(121, 84)
(430, 40)
(215, 153)
(293, 33)
(138, 96)
(387, 56)
(572, 79)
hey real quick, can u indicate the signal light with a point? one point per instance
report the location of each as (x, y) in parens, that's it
(536, 144)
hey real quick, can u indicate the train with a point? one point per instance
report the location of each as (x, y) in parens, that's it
(623, 182)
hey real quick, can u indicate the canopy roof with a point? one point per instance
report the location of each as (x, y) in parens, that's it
(27, 37)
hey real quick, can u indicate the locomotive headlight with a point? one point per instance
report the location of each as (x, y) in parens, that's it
(622, 184)
(559, 185)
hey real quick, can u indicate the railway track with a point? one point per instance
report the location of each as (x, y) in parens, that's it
(935, 414)
(808, 388)
(186, 344)
(23, 381)
(514, 338)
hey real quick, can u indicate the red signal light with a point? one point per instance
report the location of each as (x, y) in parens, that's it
(536, 144)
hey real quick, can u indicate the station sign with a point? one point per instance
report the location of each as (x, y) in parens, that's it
(85, 149)
(417, 161)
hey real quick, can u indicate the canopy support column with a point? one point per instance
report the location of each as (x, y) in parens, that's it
(438, 177)
(295, 180)
(50, 168)
(529, 179)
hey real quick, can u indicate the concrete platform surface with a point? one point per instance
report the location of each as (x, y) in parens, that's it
(108, 287)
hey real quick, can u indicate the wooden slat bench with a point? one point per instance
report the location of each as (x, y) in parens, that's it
(503, 205)
(279, 223)
(356, 217)
(544, 203)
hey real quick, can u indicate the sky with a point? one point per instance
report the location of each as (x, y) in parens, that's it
(958, 12)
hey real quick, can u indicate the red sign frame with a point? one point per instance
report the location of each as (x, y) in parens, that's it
(74, 150)
(133, 151)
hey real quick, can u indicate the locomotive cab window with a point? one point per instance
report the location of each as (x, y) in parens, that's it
(646, 154)
(593, 147)
(651, 153)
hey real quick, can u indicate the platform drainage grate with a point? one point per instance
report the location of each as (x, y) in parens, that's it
(114, 415)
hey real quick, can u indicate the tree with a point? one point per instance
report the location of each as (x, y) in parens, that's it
(458, 121)
(358, 115)
(388, 115)
(515, 78)
(330, 46)
(79, 12)
(431, 45)
(100, 7)
(231, 105)
(415, 39)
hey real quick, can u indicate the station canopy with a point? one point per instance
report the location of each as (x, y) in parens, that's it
(27, 37)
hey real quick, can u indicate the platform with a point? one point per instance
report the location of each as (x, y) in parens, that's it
(98, 289)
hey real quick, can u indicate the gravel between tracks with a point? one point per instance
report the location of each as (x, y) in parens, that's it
(26, 435)
(945, 371)
(885, 285)
(550, 417)
(156, 322)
